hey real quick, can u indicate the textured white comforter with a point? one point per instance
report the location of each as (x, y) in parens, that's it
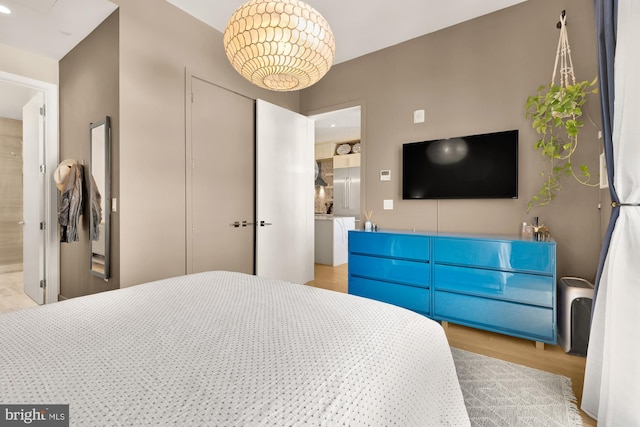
(228, 349)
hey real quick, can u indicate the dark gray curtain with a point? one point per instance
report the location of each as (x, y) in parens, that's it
(606, 13)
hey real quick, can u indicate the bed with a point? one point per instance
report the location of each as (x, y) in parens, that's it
(230, 349)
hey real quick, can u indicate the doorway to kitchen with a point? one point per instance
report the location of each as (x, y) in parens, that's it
(338, 151)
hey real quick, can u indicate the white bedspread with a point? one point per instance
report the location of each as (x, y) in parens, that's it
(228, 349)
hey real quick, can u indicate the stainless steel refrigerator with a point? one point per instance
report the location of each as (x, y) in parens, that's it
(346, 192)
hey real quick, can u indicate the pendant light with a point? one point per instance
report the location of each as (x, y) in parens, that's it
(279, 45)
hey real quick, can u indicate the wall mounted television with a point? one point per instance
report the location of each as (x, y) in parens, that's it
(470, 167)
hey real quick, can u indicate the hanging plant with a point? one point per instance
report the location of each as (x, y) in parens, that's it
(555, 113)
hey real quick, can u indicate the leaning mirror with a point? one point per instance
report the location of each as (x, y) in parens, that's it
(99, 196)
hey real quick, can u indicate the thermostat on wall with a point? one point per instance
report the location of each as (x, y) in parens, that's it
(385, 175)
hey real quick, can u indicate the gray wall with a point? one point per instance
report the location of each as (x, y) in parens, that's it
(473, 78)
(88, 93)
(138, 58)
(158, 43)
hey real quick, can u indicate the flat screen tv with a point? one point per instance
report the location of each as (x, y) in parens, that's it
(469, 167)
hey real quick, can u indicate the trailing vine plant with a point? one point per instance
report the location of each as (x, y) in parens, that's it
(555, 113)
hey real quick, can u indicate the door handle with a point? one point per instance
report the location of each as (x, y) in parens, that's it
(21, 222)
(238, 224)
(262, 223)
(348, 193)
(344, 195)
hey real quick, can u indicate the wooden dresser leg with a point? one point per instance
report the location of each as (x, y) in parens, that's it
(539, 345)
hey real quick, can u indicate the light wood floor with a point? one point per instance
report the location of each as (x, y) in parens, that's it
(551, 359)
(11, 295)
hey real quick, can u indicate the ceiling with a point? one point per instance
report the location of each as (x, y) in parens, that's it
(12, 98)
(53, 27)
(365, 26)
(338, 126)
(361, 27)
(46, 27)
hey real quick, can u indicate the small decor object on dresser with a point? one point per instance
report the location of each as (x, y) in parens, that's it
(367, 223)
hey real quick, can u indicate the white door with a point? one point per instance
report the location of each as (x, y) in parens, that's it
(284, 194)
(220, 185)
(33, 197)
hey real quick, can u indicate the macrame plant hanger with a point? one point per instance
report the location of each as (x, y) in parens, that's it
(563, 56)
(564, 65)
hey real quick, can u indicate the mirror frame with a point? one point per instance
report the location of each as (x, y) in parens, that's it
(94, 156)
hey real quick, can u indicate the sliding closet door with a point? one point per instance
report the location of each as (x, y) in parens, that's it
(220, 179)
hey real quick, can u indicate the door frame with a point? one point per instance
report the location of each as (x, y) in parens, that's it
(190, 76)
(363, 153)
(51, 153)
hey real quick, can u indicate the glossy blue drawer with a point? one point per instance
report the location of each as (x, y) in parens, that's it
(509, 255)
(390, 270)
(508, 286)
(514, 319)
(404, 246)
(410, 297)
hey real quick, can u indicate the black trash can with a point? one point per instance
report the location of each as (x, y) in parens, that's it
(575, 297)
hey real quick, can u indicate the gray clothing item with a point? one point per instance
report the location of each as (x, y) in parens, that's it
(71, 205)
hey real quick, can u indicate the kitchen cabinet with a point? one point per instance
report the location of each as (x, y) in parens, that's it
(325, 150)
(346, 161)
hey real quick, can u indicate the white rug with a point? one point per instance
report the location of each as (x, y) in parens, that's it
(499, 393)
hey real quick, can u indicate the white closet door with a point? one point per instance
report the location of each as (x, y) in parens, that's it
(220, 180)
(285, 191)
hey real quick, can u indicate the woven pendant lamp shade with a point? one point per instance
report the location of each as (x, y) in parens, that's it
(279, 45)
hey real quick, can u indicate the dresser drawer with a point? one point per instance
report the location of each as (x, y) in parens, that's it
(410, 297)
(390, 270)
(499, 316)
(507, 286)
(405, 246)
(499, 254)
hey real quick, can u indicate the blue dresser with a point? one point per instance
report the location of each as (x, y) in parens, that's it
(501, 284)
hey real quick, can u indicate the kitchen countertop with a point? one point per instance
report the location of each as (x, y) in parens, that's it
(323, 216)
(327, 217)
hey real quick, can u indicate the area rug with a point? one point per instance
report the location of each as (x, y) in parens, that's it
(499, 393)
